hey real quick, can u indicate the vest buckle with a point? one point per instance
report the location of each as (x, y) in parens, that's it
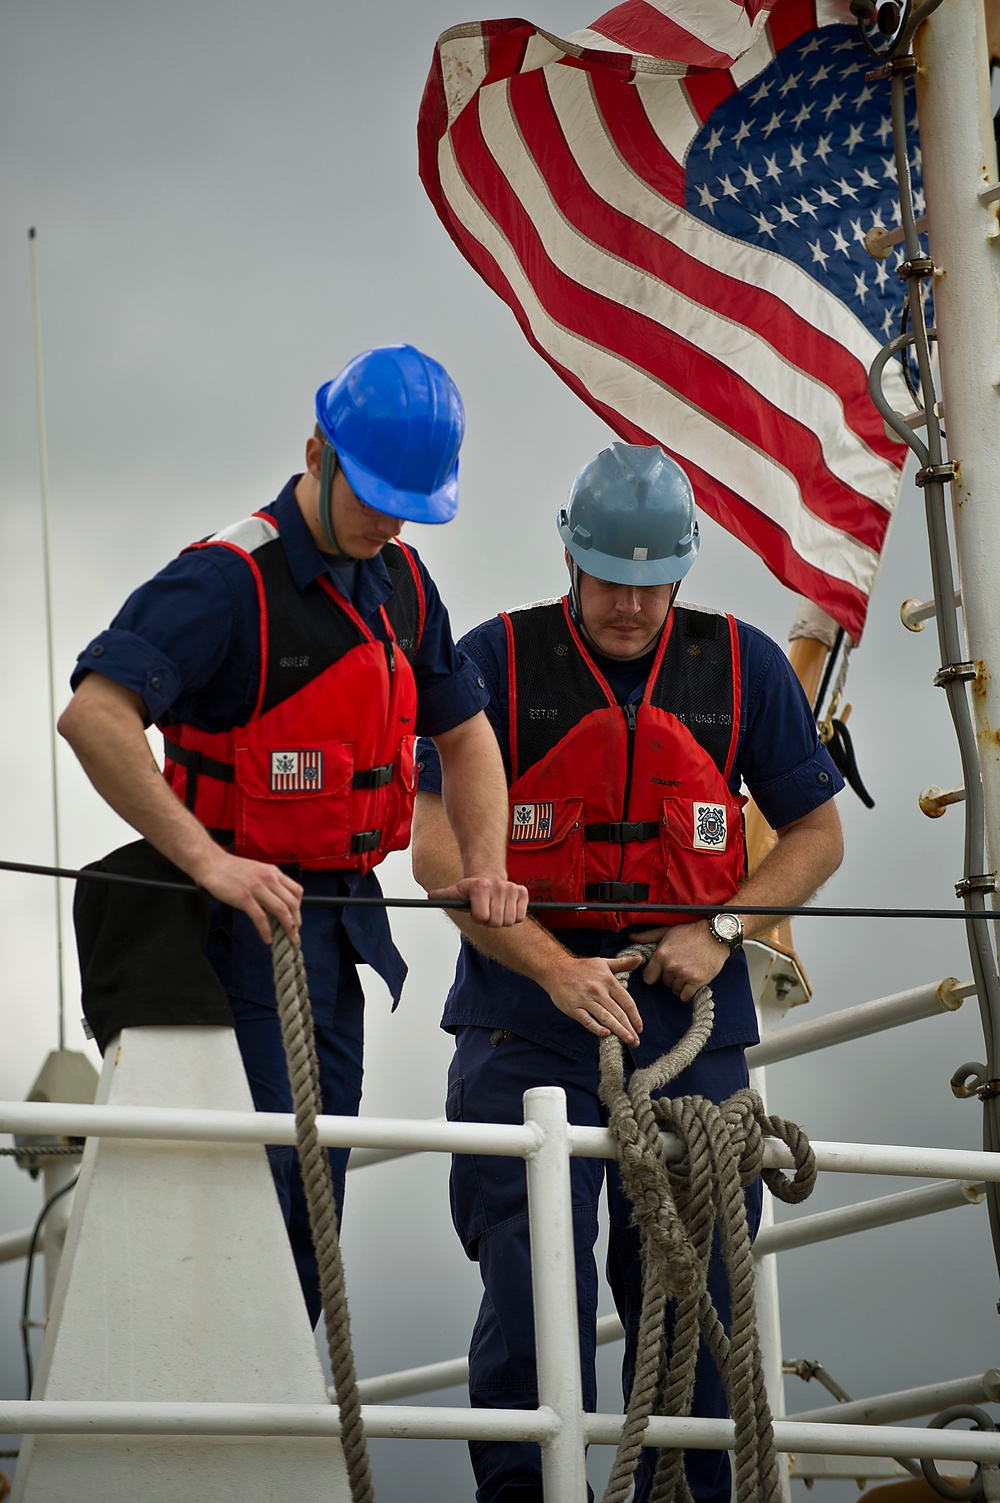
(364, 841)
(617, 892)
(374, 777)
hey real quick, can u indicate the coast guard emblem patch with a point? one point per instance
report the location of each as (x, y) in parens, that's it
(296, 771)
(709, 827)
(531, 821)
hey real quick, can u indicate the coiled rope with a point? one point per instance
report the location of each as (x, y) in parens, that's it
(676, 1209)
(295, 1014)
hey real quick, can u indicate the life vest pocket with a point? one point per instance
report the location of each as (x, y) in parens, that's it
(293, 803)
(545, 849)
(702, 844)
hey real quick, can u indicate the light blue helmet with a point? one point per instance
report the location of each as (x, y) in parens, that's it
(631, 517)
(395, 421)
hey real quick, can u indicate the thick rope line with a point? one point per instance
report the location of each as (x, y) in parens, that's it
(295, 1014)
(677, 1210)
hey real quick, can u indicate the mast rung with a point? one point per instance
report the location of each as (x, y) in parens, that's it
(879, 242)
(934, 800)
(913, 613)
(857, 1022)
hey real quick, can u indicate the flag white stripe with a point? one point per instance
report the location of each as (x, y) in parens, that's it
(647, 404)
(595, 40)
(806, 400)
(760, 56)
(463, 68)
(669, 112)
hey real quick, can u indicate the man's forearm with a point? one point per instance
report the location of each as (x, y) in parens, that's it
(103, 724)
(584, 988)
(474, 790)
(528, 948)
(806, 855)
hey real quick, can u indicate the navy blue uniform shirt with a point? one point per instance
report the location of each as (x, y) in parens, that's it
(188, 643)
(778, 757)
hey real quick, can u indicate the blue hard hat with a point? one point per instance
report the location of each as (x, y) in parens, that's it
(631, 517)
(396, 420)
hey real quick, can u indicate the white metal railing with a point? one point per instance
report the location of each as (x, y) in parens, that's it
(545, 1141)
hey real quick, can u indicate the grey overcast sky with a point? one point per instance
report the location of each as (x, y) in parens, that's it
(228, 209)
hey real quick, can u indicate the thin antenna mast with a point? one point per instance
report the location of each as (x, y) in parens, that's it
(43, 471)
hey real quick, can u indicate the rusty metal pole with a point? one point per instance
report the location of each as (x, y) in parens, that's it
(959, 163)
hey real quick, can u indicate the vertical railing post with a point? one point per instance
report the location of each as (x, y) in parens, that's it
(553, 1274)
(770, 1013)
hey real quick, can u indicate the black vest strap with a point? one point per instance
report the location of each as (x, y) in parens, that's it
(623, 834)
(195, 762)
(616, 892)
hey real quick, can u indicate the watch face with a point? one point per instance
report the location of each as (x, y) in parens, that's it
(726, 926)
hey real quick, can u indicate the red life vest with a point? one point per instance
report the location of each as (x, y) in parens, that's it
(322, 775)
(628, 803)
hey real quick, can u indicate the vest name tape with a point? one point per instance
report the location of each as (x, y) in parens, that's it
(709, 827)
(531, 821)
(296, 771)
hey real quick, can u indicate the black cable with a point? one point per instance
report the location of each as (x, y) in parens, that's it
(770, 910)
(28, 1272)
(828, 671)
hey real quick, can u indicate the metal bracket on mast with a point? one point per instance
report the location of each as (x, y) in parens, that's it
(918, 267)
(907, 64)
(953, 673)
(987, 882)
(930, 472)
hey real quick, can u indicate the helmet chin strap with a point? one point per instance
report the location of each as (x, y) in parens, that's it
(327, 471)
(574, 589)
(574, 598)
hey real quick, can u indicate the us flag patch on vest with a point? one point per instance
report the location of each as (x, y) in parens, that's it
(531, 821)
(709, 827)
(296, 771)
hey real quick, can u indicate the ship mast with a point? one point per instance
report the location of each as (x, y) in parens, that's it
(950, 61)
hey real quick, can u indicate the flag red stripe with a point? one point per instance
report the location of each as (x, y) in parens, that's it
(789, 20)
(707, 90)
(669, 358)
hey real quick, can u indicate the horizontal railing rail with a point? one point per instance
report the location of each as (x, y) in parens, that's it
(131, 1417)
(173, 1124)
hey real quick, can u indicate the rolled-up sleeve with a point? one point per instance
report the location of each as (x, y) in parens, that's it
(175, 633)
(136, 664)
(798, 791)
(780, 758)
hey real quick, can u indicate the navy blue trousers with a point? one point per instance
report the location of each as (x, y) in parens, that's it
(338, 1020)
(489, 1208)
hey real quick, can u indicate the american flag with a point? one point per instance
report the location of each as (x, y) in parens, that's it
(674, 204)
(531, 821)
(296, 771)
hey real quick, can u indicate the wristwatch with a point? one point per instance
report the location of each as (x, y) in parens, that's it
(727, 928)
